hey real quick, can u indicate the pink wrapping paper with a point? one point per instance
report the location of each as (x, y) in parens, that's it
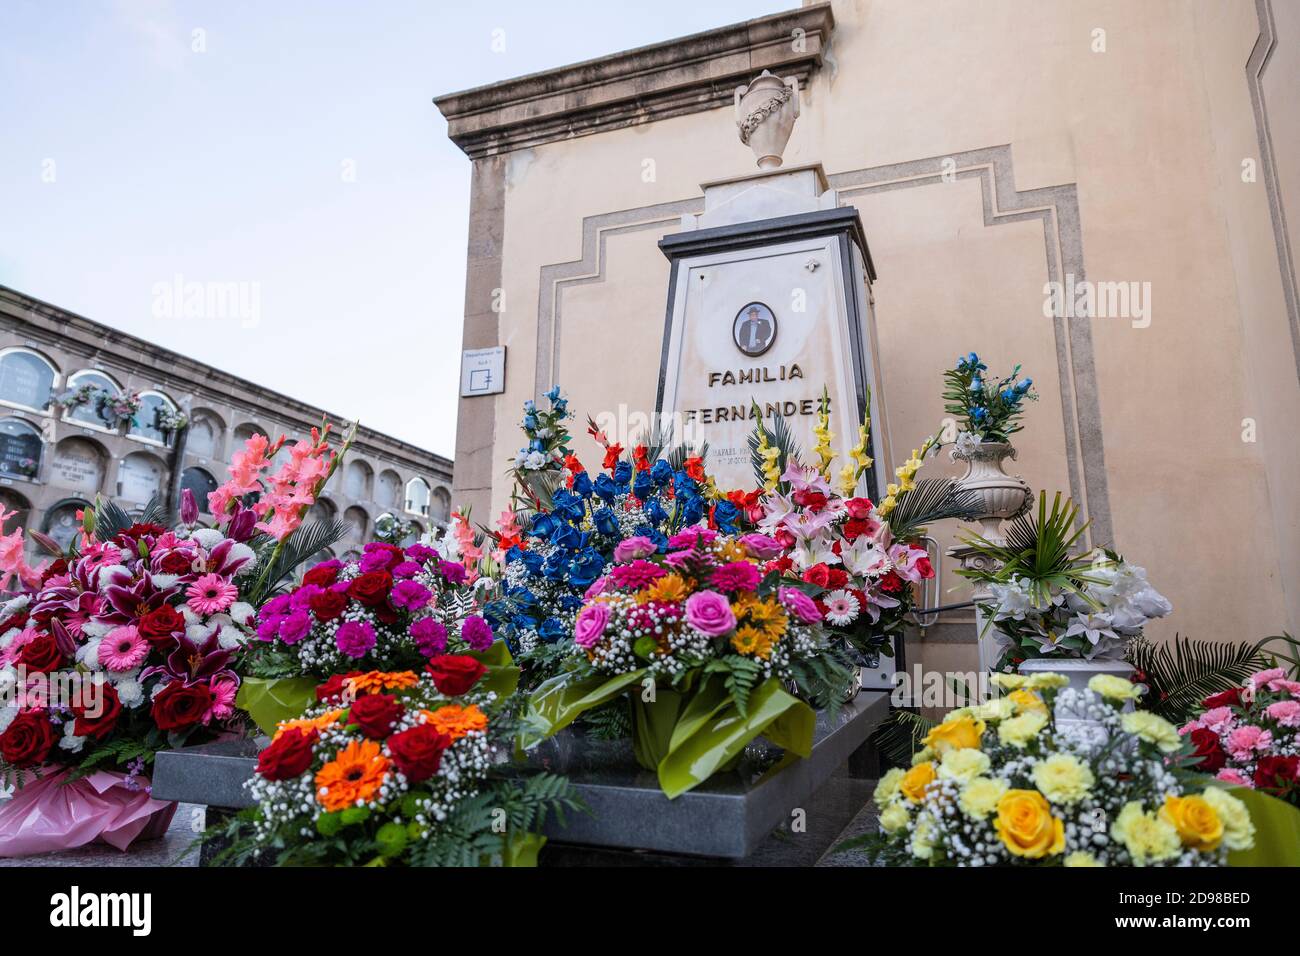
(46, 815)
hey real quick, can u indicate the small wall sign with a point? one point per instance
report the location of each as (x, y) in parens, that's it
(483, 371)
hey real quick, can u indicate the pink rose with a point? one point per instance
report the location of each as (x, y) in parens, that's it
(632, 548)
(597, 587)
(590, 625)
(760, 546)
(692, 537)
(858, 508)
(1285, 712)
(800, 605)
(710, 613)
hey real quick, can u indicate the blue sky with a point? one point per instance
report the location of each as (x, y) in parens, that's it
(298, 153)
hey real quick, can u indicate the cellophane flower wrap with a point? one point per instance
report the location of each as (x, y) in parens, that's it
(565, 534)
(127, 647)
(1249, 736)
(396, 768)
(1001, 783)
(392, 609)
(704, 647)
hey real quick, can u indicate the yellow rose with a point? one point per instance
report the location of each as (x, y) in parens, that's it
(894, 817)
(1152, 729)
(1047, 681)
(997, 708)
(963, 765)
(1197, 823)
(1147, 838)
(1082, 858)
(887, 788)
(1009, 681)
(1026, 700)
(1027, 827)
(1114, 688)
(1238, 828)
(958, 733)
(1063, 778)
(916, 780)
(1018, 731)
(979, 798)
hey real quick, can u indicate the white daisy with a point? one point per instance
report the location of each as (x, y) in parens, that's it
(842, 608)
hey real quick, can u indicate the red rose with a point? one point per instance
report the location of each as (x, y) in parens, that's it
(812, 500)
(924, 567)
(853, 528)
(327, 605)
(336, 686)
(371, 588)
(1207, 748)
(375, 714)
(41, 656)
(858, 508)
(779, 566)
(28, 739)
(818, 574)
(105, 701)
(1227, 698)
(1276, 774)
(160, 626)
(386, 614)
(288, 756)
(418, 751)
(176, 562)
(323, 575)
(179, 706)
(453, 674)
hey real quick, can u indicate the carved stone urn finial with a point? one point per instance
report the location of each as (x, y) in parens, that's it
(765, 115)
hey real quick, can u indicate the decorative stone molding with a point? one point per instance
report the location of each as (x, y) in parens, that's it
(676, 78)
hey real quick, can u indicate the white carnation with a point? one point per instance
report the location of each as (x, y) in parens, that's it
(208, 538)
(241, 612)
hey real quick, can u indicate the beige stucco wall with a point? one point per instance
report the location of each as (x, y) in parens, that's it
(1152, 134)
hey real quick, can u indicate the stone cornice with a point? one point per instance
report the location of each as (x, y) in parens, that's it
(687, 75)
(182, 373)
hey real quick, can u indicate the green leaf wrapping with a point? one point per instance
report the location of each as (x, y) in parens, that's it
(521, 848)
(559, 701)
(271, 700)
(502, 675)
(1277, 830)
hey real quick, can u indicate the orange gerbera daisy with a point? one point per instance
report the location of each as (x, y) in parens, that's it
(670, 589)
(456, 721)
(307, 724)
(372, 682)
(356, 773)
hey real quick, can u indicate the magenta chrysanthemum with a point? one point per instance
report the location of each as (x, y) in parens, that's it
(737, 576)
(637, 575)
(211, 594)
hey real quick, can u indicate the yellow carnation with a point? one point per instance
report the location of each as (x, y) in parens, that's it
(1197, 823)
(1114, 688)
(1047, 681)
(887, 789)
(1027, 827)
(1147, 838)
(925, 835)
(1019, 731)
(1009, 681)
(894, 817)
(997, 708)
(979, 798)
(1063, 778)
(916, 780)
(1152, 729)
(1082, 858)
(1238, 828)
(957, 733)
(963, 765)
(924, 755)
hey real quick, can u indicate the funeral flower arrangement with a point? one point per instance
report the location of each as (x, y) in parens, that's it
(1001, 784)
(1049, 601)
(708, 650)
(127, 645)
(396, 768)
(1249, 736)
(989, 411)
(393, 608)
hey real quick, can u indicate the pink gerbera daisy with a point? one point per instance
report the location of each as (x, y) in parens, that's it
(211, 594)
(123, 649)
(841, 608)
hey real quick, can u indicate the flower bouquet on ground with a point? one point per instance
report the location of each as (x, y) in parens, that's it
(1049, 601)
(859, 561)
(395, 769)
(1000, 784)
(392, 609)
(709, 653)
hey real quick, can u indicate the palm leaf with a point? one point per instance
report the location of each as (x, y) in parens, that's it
(110, 519)
(899, 736)
(779, 436)
(306, 541)
(1183, 672)
(931, 500)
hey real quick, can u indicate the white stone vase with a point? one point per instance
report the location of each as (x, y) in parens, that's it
(1078, 671)
(1002, 496)
(765, 115)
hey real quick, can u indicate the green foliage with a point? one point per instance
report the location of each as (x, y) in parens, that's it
(931, 500)
(740, 676)
(991, 410)
(900, 735)
(827, 680)
(611, 721)
(1183, 672)
(277, 562)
